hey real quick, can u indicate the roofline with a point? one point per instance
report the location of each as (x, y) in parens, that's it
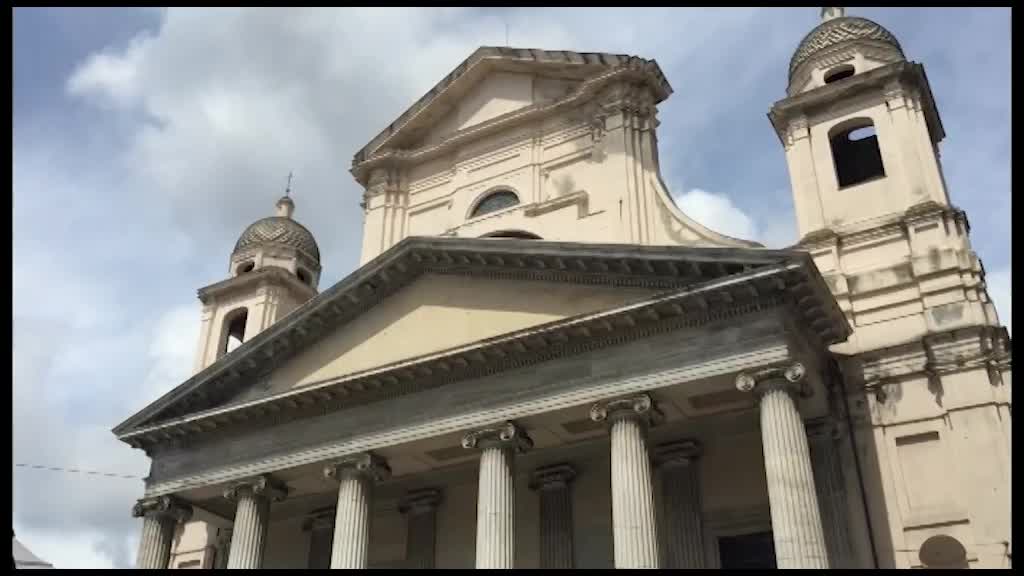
(502, 53)
(414, 256)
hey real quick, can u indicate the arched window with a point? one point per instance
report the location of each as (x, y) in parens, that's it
(855, 152)
(513, 234)
(838, 73)
(304, 276)
(497, 200)
(234, 330)
(245, 267)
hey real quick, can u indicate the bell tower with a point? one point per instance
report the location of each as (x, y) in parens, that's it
(274, 268)
(927, 370)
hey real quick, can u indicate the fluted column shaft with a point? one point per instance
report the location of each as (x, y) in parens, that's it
(828, 479)
(159, 516)
(680, 486)
(420, 509)
(556, 540)
(355, 476)
(495, 524)
(796, 520)
(634, 532)
(252, 513)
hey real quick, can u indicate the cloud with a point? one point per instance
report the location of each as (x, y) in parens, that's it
(719, 213)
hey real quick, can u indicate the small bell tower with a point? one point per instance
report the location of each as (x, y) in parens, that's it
(861, 134)
(927, 369)
(859, 126)
(274, 268)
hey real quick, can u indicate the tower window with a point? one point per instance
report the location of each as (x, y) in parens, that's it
(498, 200)
(838, 73)
(855, 153)
(234, 330)
(304, 276)
(245, 267)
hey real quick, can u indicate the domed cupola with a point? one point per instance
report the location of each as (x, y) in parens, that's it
(839, 47)
(281, 242)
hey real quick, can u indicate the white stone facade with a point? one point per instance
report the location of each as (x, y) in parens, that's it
(543, 363)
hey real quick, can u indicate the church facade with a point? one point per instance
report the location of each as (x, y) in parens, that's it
(541, 362)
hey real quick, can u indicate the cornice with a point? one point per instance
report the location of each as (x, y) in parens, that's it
(702, 285)
(487, 57)
(879, 80)
(363, 168)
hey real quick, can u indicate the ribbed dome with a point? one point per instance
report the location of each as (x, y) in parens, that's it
(279, 230)
(837, 31)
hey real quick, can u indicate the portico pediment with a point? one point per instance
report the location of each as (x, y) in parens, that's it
(435, 309)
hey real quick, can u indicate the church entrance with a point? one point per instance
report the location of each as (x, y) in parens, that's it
(747, 551)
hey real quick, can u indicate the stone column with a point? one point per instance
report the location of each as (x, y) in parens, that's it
(160, 516)
(556, 545)
(356, 476)
(320, 526)
(823, 438)
(683, 540)
(634, 532)
(495, 511)
(249, 533)
(420, 509)
(796, 520)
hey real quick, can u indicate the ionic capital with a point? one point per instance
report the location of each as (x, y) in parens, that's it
(785, 377)
(320, 519)
(162, 506)
(420, 501)
(507, 435)
(365, 464)
(552, 477)
(639, 407)
(823, 429)
(678, 453)
(263, 486)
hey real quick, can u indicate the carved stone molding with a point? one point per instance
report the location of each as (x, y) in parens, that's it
(823, 429)
(371, 465)
(320, 519)
(554, 477)
(677, 453)
(789, 377)
(507, 435)
(263, 485)
(168, 506)
(640, 407)
(420, 501)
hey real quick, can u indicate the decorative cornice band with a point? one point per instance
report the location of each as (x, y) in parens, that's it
(507, 435)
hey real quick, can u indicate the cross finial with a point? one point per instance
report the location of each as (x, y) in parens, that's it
(830, 13)
(288, 188)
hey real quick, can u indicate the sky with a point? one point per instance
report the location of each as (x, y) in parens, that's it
(146, 140)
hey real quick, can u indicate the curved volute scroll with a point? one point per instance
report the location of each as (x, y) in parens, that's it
(788, 377)
(507, 435)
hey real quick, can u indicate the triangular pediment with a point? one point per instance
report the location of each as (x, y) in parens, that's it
(437, 312)
(495, 82)
(434, 306)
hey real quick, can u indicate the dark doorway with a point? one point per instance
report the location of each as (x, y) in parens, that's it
(747, 551)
